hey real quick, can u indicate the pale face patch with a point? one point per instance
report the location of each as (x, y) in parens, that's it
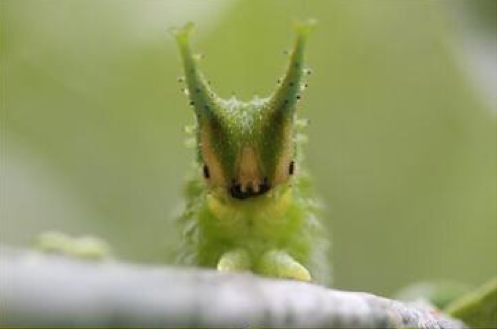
(249, 171)
(283, 167)
(212, 164)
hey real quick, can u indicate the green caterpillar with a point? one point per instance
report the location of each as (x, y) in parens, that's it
(250, 203)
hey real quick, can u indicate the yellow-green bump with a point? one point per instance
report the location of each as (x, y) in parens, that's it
(278, 263)
(234, 261)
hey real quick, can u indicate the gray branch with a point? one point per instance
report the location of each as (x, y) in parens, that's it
(54, 291)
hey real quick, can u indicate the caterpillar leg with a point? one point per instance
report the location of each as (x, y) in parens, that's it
(236, 260)
(278, 263)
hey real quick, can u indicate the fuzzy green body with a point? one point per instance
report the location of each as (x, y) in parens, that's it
(288, 220)
(254, 208)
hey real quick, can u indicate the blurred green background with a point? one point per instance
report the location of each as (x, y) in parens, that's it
(402, 103)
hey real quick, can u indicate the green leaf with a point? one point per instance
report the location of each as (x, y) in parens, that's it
(440, 293)
(477, 309)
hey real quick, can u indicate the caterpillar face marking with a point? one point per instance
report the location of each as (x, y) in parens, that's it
(246, 148)
(206, 172)
(291, 168)
(237, 192)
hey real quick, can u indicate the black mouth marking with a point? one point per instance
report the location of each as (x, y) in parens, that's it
(236, 191)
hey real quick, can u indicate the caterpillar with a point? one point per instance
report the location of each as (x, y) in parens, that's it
(250, 204)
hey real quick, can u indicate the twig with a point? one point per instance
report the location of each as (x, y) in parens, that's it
(51, 291)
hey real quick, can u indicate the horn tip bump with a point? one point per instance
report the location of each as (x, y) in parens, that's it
(304, 27)
(182, 33)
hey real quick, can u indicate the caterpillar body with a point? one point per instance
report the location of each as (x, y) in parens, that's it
(250, 204)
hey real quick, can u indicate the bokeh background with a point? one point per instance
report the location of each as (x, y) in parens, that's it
(402, 103)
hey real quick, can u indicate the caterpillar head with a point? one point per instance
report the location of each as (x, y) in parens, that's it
(245, 148)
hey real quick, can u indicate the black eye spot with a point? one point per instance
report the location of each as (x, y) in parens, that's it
(291, 168)
(207, 174)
